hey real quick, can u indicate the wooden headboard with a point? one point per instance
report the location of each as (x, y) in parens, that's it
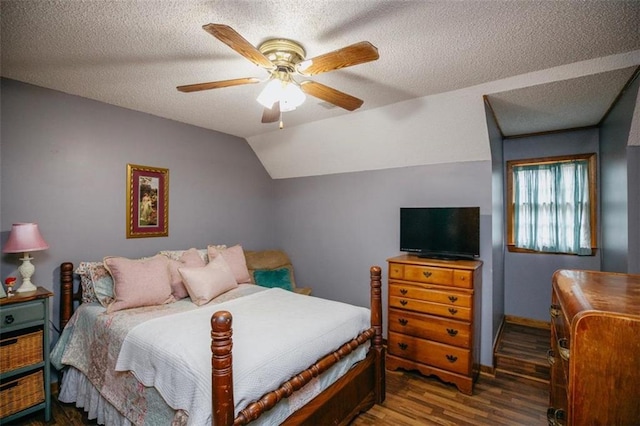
(68, 296)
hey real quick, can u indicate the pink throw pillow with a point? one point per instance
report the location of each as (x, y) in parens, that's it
(207, 282)
(236, 260)
(144, 282)
(190, 258)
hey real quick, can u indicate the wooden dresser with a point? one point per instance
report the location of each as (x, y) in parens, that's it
(595, 349)
(434, 318)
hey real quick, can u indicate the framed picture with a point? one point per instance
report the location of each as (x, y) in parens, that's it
(147, 201)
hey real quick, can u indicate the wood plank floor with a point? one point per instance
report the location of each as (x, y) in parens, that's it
(416, 400)
(522, 351)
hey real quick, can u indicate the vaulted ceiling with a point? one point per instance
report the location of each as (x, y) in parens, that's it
(134, 53)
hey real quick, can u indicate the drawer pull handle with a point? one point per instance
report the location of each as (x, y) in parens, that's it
(555, 417)
(403, 291)
(551, 357)
(9, 342)
(403, 321)
(426, 274)
(452, 332)
(554, 311)
(453, 311)
(403, 346)
(452, 358)
(453, 299)
(9, 319)
(403, 302)
(563, 349)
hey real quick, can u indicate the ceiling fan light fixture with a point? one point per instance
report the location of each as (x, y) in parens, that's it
(292, 97)
(288, 94)
(270, 94)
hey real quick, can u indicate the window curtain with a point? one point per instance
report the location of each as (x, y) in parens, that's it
(552, 207)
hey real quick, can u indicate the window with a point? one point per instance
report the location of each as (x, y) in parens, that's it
(552, 205)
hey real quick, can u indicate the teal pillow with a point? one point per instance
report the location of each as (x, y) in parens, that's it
(273, 278)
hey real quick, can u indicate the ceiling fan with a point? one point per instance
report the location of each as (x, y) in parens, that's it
(284, 59)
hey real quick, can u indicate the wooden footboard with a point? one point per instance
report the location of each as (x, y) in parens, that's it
(356, 391)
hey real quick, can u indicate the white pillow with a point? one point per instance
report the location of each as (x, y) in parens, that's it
(205, 283)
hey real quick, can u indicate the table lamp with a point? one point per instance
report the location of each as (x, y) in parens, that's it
(24, 238)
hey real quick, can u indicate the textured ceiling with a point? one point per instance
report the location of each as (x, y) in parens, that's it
(134, 53)
(568, 104)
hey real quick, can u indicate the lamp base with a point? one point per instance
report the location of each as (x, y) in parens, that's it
(26, 287)
(26, 270)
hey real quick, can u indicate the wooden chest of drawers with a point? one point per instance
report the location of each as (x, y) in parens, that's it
(434, 318)
(595, 349)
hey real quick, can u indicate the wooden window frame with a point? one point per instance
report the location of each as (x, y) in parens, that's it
(593, 200)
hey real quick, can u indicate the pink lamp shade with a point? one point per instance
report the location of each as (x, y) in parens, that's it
(25, 237)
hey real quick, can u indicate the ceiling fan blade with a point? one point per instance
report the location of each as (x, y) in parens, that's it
(271, 115)
(217, 84)
(331, 95)
(349, 56)
(234, 40)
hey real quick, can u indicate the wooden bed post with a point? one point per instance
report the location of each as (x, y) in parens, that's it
(376, 324)
(66, 296)
(221, 371)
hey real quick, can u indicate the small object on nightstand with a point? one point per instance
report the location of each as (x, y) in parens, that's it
(10, 282)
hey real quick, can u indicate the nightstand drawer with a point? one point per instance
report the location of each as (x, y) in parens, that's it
(20, 350)
(21, 392)
(24, 313)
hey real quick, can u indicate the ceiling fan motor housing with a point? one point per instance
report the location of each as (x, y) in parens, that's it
(283, 53)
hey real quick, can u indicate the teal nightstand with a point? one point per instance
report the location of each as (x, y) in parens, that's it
(25, 384)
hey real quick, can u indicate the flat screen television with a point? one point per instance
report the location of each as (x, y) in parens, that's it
(440, 232)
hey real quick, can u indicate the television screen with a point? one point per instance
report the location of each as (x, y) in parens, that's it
(441, 232)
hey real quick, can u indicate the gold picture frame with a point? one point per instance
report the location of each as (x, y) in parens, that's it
(147, 201)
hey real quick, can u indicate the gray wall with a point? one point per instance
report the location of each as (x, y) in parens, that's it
(620, 190)
(497, 220)
(336, 226)
(64, 164)
(527, 276)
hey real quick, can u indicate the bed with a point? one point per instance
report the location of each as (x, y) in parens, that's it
(331, 388)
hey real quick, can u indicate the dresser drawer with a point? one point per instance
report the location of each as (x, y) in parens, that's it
(424, 351)
(439, 309)
(426, 274)
(442, 330)
(396, 270)
(450, 297)
(24, 313)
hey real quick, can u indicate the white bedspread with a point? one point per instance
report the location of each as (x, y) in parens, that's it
(276, 334)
